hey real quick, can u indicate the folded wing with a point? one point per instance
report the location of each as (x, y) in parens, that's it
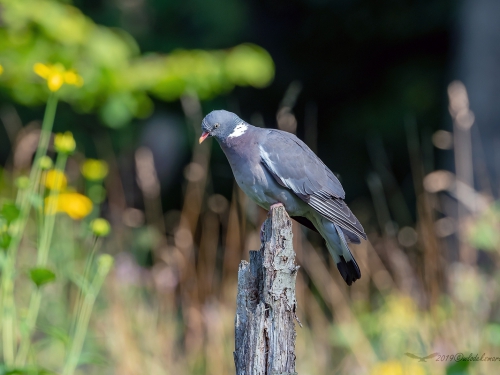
(296, 167)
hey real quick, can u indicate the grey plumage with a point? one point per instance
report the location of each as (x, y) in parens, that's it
(273, 166)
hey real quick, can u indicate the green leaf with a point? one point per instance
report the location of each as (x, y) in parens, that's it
(4, 235)
(9, 211)
(31, 370)
(41, 276)
(4, 240)
(458, 368)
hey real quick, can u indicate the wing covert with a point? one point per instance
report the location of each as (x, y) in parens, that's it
(296, 167)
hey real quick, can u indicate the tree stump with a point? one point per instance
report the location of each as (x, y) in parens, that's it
(265, 315)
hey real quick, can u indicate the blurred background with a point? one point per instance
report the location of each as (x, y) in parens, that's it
(400, 99)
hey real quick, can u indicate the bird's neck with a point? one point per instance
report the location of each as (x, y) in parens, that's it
(237, 147)
(239, 139)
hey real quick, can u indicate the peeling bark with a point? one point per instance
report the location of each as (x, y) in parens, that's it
(265, 315)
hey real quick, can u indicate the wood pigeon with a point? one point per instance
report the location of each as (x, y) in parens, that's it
(272, 166)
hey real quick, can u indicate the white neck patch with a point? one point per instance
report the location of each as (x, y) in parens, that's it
(240, 129)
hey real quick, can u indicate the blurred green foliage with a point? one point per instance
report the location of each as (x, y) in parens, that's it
(118, 79)
(484, 232)
(41, 276)
(366, 65)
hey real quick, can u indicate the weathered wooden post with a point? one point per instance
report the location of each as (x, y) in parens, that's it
(265, 315)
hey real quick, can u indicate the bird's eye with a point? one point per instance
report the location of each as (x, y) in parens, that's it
(216, 126)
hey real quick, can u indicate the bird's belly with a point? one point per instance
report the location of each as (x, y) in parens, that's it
(264, 190)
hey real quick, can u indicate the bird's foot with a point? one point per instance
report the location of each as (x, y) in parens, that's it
(275, 205)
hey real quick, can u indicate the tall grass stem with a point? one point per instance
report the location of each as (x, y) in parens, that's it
(8, 307)
(83, 320)
(42, 257)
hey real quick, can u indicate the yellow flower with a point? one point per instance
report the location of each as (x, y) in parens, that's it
(397, 368)
(75, 205)
(56, 75)
(55, 180)
(100, 227)
(72, 78)
(387, 368)
(94, 170)
(1, 69)
(64, 143)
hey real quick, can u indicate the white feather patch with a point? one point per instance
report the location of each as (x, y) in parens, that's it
(240, 129)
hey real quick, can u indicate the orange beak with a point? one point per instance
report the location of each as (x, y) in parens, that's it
(204, 136)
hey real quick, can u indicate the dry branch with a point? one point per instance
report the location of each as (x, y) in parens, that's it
(265, 316)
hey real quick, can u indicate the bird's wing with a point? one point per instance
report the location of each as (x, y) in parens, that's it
(431, 356)
(296, 167)
(412, 356)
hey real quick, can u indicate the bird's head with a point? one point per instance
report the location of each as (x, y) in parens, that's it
(222, 125)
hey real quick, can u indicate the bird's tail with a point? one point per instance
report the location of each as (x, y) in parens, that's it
(339, 249)
(347, 265)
